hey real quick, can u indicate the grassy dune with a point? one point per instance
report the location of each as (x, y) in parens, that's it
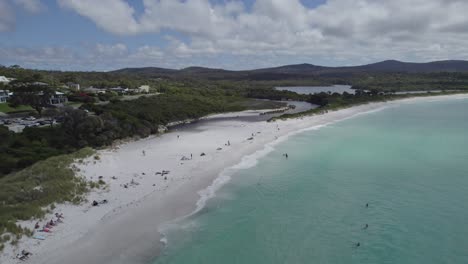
(33, 191)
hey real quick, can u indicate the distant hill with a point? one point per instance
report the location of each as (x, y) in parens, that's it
(302, 70)
(146, 71)
(399, 66)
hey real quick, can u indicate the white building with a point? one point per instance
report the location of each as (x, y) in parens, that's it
(74, 86)
(144, 89)
(4, 95)
(5, 80)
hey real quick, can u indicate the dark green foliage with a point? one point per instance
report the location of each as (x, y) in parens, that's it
(36, 96)
(21, 150)
(273, 94)
(320, 99)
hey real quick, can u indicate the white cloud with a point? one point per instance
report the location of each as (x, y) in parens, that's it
(277, 31)
(7, 17)
(32, 6)
(115, 16)
(48, 57)
(113, 50)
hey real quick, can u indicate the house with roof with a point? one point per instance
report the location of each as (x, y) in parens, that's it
(58, 98)
(119, 90)
(73, 86)
(40, 83)
(4, 95)
(5, 80)
(144, 89)
(93, 90)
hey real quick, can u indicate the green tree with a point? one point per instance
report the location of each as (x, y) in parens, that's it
(36, 96)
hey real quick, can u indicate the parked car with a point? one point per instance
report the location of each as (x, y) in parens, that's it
(32, 125)
(29, 118)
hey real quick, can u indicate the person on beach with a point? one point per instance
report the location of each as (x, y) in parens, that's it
(178, 136)
(36, 226)
(144, 153)
(191, 156)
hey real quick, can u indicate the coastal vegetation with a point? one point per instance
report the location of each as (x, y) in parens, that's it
(99, 125)
(32, 192)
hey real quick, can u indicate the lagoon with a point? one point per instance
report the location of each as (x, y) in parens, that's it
(318, 89)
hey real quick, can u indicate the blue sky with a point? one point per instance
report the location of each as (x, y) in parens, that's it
(232, 34)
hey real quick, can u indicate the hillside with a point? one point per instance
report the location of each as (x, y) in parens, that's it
(303, 70)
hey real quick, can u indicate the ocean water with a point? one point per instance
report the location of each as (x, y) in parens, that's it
(409, 163)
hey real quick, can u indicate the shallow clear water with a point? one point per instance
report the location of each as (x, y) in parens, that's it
(410, 163)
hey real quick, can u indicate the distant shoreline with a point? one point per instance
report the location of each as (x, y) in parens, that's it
(127, 228)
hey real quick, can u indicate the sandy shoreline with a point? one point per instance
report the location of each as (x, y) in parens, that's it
(126, 229)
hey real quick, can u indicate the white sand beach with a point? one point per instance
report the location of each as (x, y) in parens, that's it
(126, 228)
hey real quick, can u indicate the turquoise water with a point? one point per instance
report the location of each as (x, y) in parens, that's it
(410, 163)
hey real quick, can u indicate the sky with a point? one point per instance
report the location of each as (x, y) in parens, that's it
(96, 35)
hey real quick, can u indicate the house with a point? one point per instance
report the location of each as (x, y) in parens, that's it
(5, 80)
(144, 89)
(40, 83)
(93, 90)
(74, 86)
(119, 90)
(58, 99)
(4, 95)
